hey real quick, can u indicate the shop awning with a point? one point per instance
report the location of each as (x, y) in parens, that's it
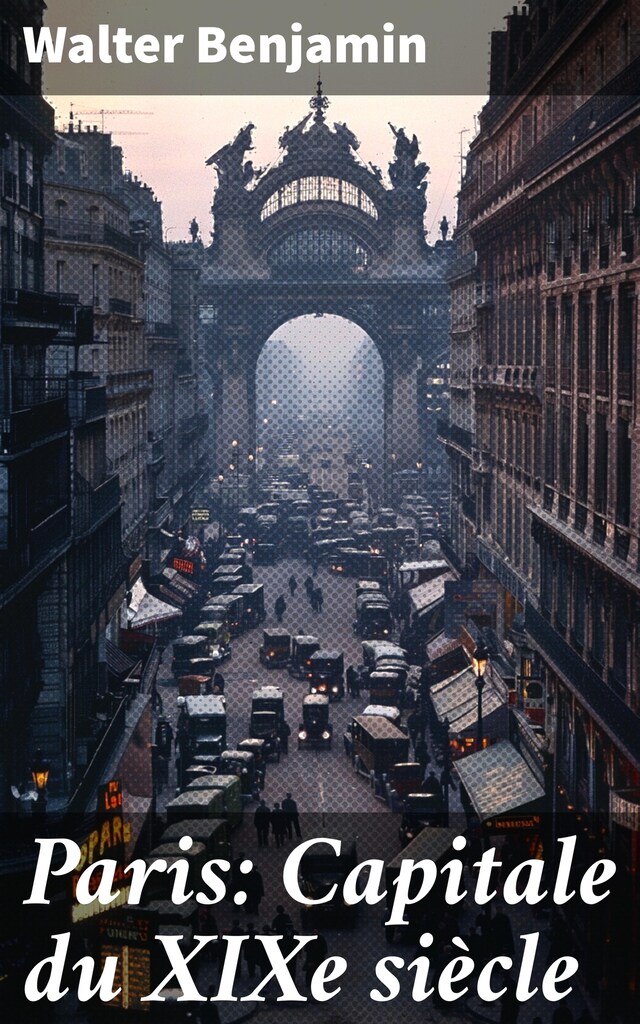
(119, 664)
(145, 610)
(456, 698)
(442, 645)
(180, 582)
(429, 844)
(498, 781)
(426, 594)
(425, 565)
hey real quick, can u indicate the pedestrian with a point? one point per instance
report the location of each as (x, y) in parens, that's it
(251, 951)
(287, 944)
(314, 600)
(254, 888)
(164, 737)
(319, 598)
(209, 1012)
(509, 1004)
(431, 785)
(284, 732)
(415, 726)
(281, 921)
(317, 952)
(502, 936)
(280, 607)
(351, 679)
(218, 683)
(262, 820)
(293, 585)
(278, 824)
(290, 808)
(422, 755)
(308, 586)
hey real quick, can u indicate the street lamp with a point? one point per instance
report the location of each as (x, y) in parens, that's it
(251, 464)
(479, 661)
(40, 769)
(221, 498)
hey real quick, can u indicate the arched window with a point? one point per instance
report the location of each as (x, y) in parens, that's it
(310, 248)
(320, 188)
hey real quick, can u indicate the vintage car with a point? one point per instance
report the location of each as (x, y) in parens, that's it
(326, 674)
(276, 648)
(252, 595)
(302, 647)
(267, 718)
(315, 729)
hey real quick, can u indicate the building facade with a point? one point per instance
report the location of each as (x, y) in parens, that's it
(94, 249)
(61, 574)
(551, 204)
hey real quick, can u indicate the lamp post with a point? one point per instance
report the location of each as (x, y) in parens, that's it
(420, 467)
(221, 500)
(40, 769)
(251, 466)
(234, 466)
(479, 662)
(368, 466)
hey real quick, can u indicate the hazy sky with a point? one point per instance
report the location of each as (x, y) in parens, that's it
(179, 133)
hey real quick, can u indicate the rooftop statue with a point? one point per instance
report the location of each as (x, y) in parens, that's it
(229, 160)
(404, 170)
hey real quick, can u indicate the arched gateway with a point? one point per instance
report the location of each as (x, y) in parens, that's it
(320, 232)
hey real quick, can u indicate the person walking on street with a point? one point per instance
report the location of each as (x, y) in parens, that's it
(351, 680)
(319, 598)
(281, 921)
(254, 887)
(218, 683)
(313, 597)
(290, 808)
(278, 824)
(280, 607)
(262, 820)
(293, 585)
(317, 952)
(308, 586)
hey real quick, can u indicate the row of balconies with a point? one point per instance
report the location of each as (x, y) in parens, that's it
(44, 407)
(527, 377)
(60, 316)
(92, 232)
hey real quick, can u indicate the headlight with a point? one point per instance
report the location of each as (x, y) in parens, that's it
(334, 689)
(313, 689)
(302, 735)
(326, 735)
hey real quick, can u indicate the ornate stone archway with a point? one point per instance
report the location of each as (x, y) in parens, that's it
(321, 232)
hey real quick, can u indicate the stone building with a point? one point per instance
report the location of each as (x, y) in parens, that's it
(550, 202)
(61, 574)
(94, 249)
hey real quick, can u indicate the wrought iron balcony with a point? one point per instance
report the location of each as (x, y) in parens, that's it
(603, 702)
(93, 504)
(92, 232)
(60, 316)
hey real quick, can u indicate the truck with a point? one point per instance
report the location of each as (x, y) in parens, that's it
(267, 718)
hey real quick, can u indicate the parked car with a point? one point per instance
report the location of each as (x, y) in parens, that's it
(276, 648)
(315, 729)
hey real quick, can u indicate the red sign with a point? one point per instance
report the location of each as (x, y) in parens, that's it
(183, 565)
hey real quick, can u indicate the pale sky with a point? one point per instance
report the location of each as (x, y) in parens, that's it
(168, 145)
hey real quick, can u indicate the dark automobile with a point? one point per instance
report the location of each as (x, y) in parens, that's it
(264, 554)
(374, 620)
(403, 779)
(317, 875)
(315, 729)
(420, 810)
(326, 674)
(302, 647)
(267, 718)
(276, 648)
(252, 595)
